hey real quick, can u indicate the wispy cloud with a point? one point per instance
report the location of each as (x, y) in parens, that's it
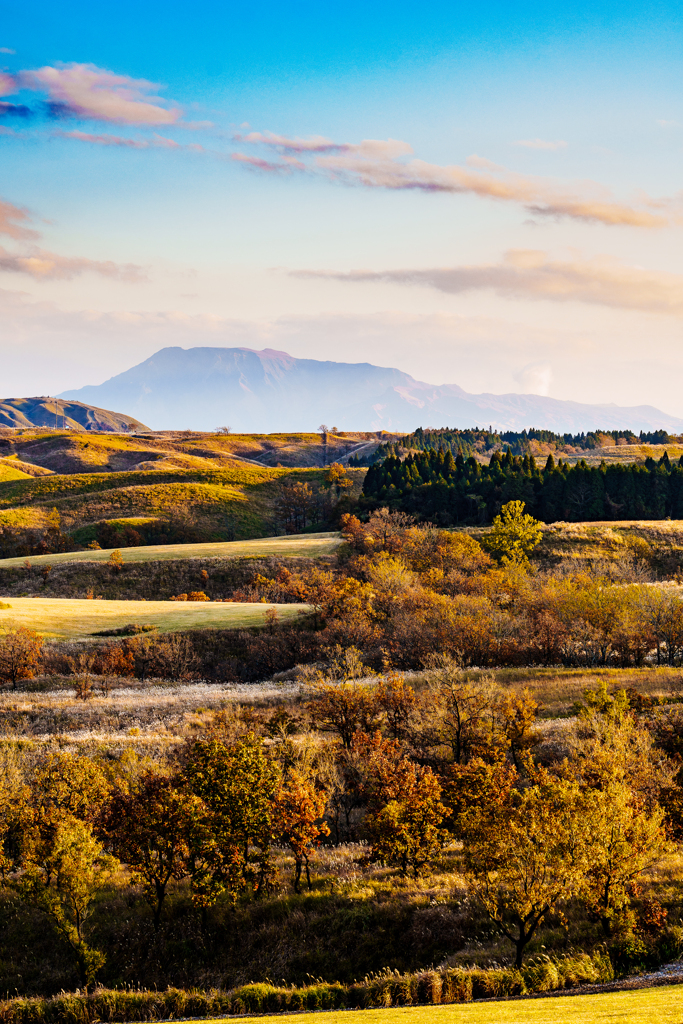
(6, 49)
(524, 273)
(14, 221)
(43, 265)
(89, 92)
(286, 164)
(316, 144)
(156, 142)
(541, 144)
(390, 164)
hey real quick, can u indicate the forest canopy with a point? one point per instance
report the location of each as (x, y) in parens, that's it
(434, 485)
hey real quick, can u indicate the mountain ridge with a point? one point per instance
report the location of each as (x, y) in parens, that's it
(270, 390)
(44, 411)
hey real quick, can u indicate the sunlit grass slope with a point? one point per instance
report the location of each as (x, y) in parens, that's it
(642, 1006)
(236, 500)
(312, 545)
(78, 618)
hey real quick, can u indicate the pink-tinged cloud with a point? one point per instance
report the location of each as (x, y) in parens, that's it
(541, 144)
(14, 221)
(258, 164)
(531, 274)
(8, 84)
(43, 265)
(90, 92)
(156, 142)
(316, 144)
(382, 163)
(105, 140)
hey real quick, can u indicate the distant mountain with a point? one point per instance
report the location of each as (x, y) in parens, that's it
(49, 412)
(268, 391)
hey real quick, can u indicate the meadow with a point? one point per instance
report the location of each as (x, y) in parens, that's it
(73, 618)
(312, 545)
(650, 1006)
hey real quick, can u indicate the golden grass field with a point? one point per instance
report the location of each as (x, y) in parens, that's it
(311, 545)
(642, 1006)
(67, 618)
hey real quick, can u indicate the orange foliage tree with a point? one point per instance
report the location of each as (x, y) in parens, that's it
(297, 815)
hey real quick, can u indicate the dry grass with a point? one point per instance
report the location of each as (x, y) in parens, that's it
(78, 618)
(557, 689)
(643, 1006)
(69, 452)
(622, 453)
(156, 714)
(311, 545)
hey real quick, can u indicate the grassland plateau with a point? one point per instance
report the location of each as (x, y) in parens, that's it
(265, 749)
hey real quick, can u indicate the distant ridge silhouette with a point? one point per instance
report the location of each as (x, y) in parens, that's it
(266, 391)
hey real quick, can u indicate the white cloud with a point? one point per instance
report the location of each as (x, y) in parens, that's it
(87, 91)
(532, 274)
(535, 378)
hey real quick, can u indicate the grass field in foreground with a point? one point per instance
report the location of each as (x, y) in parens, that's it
(641, 1006)
(311, 545)
(62, 617)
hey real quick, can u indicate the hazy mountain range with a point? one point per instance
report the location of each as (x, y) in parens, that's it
(268, 391)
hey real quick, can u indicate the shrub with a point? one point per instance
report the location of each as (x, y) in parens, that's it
(450, 985)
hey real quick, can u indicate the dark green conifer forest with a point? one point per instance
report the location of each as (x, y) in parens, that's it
(450, 490)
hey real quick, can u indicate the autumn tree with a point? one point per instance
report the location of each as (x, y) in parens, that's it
(63, 864)
(237, 784)
(343, 708)
(337, 479)
(625, 840)
(115, 561)
(62, 878)
(20, 653)
(297, 812)
(68, 784)
(525, 850)
(396, 701)
(14, 809)
(463, 713)
(150, 826)
(408, 830)
(513, 535)
(295, 505)
(623, 778)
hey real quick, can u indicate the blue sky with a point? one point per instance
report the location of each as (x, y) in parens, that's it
(200, 175)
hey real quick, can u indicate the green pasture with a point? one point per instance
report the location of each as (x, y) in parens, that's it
(641, 1006)
(67, 618)
(310, 545)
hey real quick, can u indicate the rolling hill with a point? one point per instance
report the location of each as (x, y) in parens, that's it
(203, 388)
(49, 412)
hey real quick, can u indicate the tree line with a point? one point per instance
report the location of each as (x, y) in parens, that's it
(466, 441)
(433, 485)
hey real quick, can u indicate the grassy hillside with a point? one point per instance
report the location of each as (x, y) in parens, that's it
(50, 412)
(69, 452)
(311, 545)
(230, 502)
(77, 618)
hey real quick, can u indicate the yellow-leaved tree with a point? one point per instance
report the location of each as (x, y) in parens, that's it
(514, 535)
